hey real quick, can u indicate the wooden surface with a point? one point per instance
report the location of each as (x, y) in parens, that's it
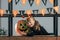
(30, 38)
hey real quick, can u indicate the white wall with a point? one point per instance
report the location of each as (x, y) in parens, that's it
(46, 22)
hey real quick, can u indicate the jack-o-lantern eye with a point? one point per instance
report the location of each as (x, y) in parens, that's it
(20, 24)
(24, 24)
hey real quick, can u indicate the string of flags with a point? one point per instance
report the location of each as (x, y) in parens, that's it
(29, 12)
(37, 2)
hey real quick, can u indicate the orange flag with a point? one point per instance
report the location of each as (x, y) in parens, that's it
(23, 2)
(15, 12)
(37, 2)
(56, 8)
(51, 1)
(2, 12)
(9, 1)
(42, 11)
(28, 12)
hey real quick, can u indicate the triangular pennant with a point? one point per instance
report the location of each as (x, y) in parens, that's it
(23, 2)
(49, 10)
(15, 12)
(16, 1)
(51, 1)
(28, 12)
(42, 11)
(9, 1)
(6, 11)
(31, 2)
(37, 2)
(2, 12)
(56, 8)
(44, 2)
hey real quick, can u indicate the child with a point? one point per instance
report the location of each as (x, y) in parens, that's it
(36, 28)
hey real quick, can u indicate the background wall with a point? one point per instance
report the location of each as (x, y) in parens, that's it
(47, 22)
(42, 20)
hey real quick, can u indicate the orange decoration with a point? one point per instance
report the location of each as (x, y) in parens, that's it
(9, 1)
(42, 11)
(17, 26)
(51, 1)
(23, 2)
(15, 12)
(29, 12)
(2, 12)
(37, 2)
(56, 8)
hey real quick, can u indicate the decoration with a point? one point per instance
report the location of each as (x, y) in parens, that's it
(15, 12)
(29, 12)
(42, 11)
(51, 1)
(56, 8)
(37, 2)
(23, 2)
(21, 28)
(9, 1)
(2, 12)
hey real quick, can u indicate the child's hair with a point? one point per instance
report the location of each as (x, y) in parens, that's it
(28, 18)
(36, 24)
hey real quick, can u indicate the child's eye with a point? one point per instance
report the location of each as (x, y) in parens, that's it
(29, 22)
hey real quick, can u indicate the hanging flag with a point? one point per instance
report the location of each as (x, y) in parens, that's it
(31, 2)
(2, 12)
(51, 1)
(37, 2)
(17, 1)
(15, 12)
(29, 12)
(56, 8)
(42, 11)
(23, 2)
(44, 2)
(9, 1)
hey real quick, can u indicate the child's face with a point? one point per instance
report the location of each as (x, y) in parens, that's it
(31, 22)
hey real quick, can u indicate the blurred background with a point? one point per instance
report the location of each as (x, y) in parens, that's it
(46, 22)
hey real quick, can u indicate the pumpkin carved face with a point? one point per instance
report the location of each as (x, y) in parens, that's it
(22, 25)
(22, 28)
